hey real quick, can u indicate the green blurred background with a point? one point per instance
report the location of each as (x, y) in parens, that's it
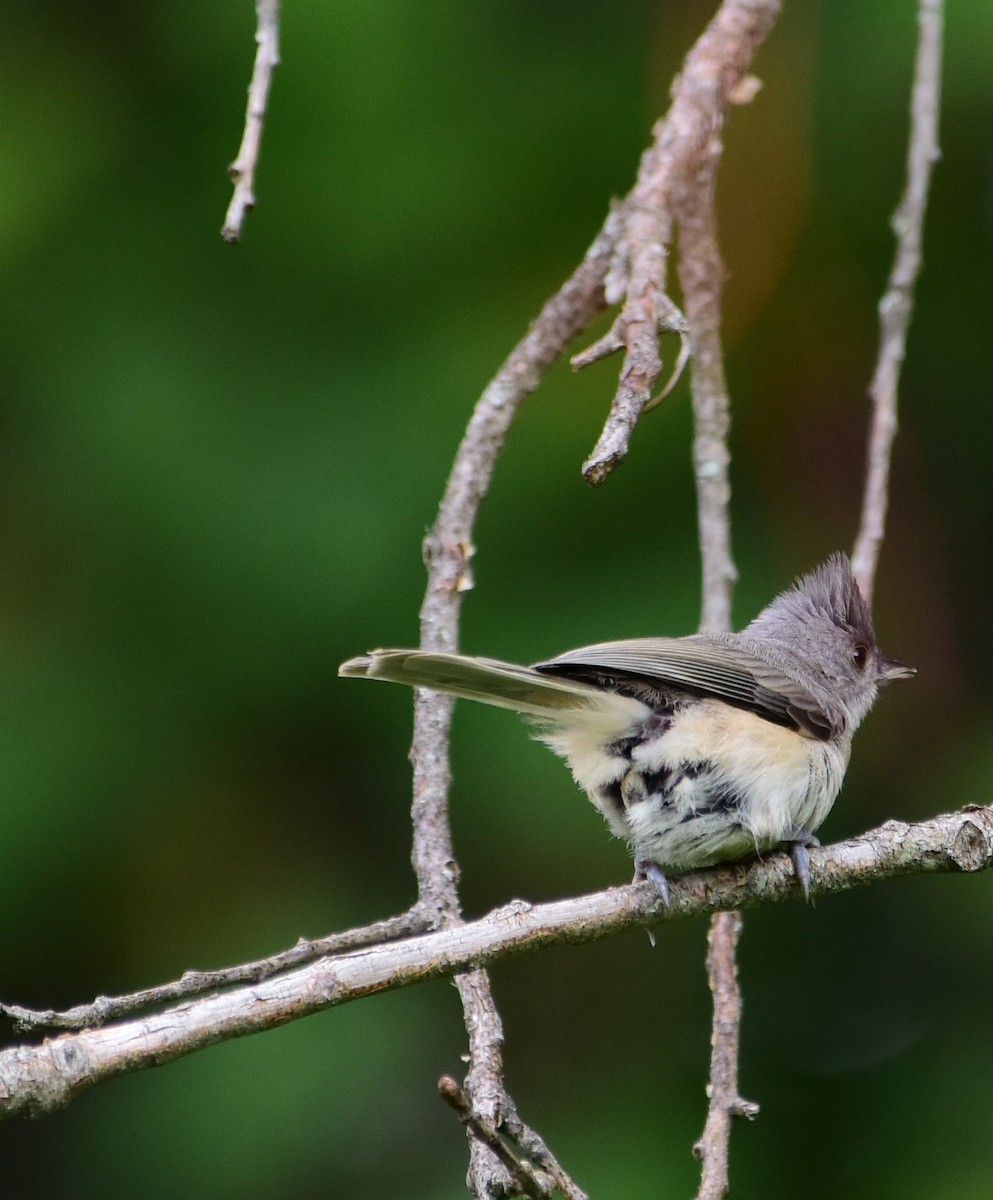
(216, 466)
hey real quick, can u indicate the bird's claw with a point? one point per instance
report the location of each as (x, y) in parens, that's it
(645, 869)
(798, 845)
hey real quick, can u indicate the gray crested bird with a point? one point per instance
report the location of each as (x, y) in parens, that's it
(702, 749)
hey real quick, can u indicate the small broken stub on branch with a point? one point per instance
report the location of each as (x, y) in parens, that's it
(640, 374)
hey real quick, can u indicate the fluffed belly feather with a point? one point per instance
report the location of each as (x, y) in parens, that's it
(701, 783)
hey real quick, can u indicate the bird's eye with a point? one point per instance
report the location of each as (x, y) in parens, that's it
(860, 656)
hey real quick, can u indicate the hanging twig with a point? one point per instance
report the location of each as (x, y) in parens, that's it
(242, 170)
(713, 77)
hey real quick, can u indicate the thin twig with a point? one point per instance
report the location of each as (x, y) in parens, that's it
(197, 983)
(536, 1149)
(242, 170)
(35, 1079)
(896, 306)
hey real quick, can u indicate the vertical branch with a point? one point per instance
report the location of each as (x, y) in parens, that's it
(896, 306)
(701, 273)
(722, 975)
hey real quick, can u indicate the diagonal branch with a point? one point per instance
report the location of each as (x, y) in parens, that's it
(628, 258)
(897, 304)
(242, 170)
(513, 1146)
(448, 551)
(36, 1079)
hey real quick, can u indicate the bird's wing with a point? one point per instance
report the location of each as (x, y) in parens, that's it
(705, 666)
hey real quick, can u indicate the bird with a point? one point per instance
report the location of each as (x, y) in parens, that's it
(696, 750)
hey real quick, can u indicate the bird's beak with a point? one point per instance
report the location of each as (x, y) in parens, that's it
(890, 669)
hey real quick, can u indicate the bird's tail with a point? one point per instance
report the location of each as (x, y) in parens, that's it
(521, 689)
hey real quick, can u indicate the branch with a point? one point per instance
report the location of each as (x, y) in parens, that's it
(36, 1079)
(683, 142)
(718, 80)
(629, 259)
(629, 256)
(725, 1102)
(897, 304)
(448, 547)
(448, 551)
(242, 170)
(701, 273)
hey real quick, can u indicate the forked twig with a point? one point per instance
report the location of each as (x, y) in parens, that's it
(683, 142)
(505, 1144)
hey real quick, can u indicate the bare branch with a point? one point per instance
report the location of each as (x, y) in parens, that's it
(448, 548)
(242, 170)
(701, 273)
(713, 76)
(725, 1102)
(36, 1079)
(896, 306)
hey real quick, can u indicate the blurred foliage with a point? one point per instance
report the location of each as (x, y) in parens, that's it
(216, 465)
